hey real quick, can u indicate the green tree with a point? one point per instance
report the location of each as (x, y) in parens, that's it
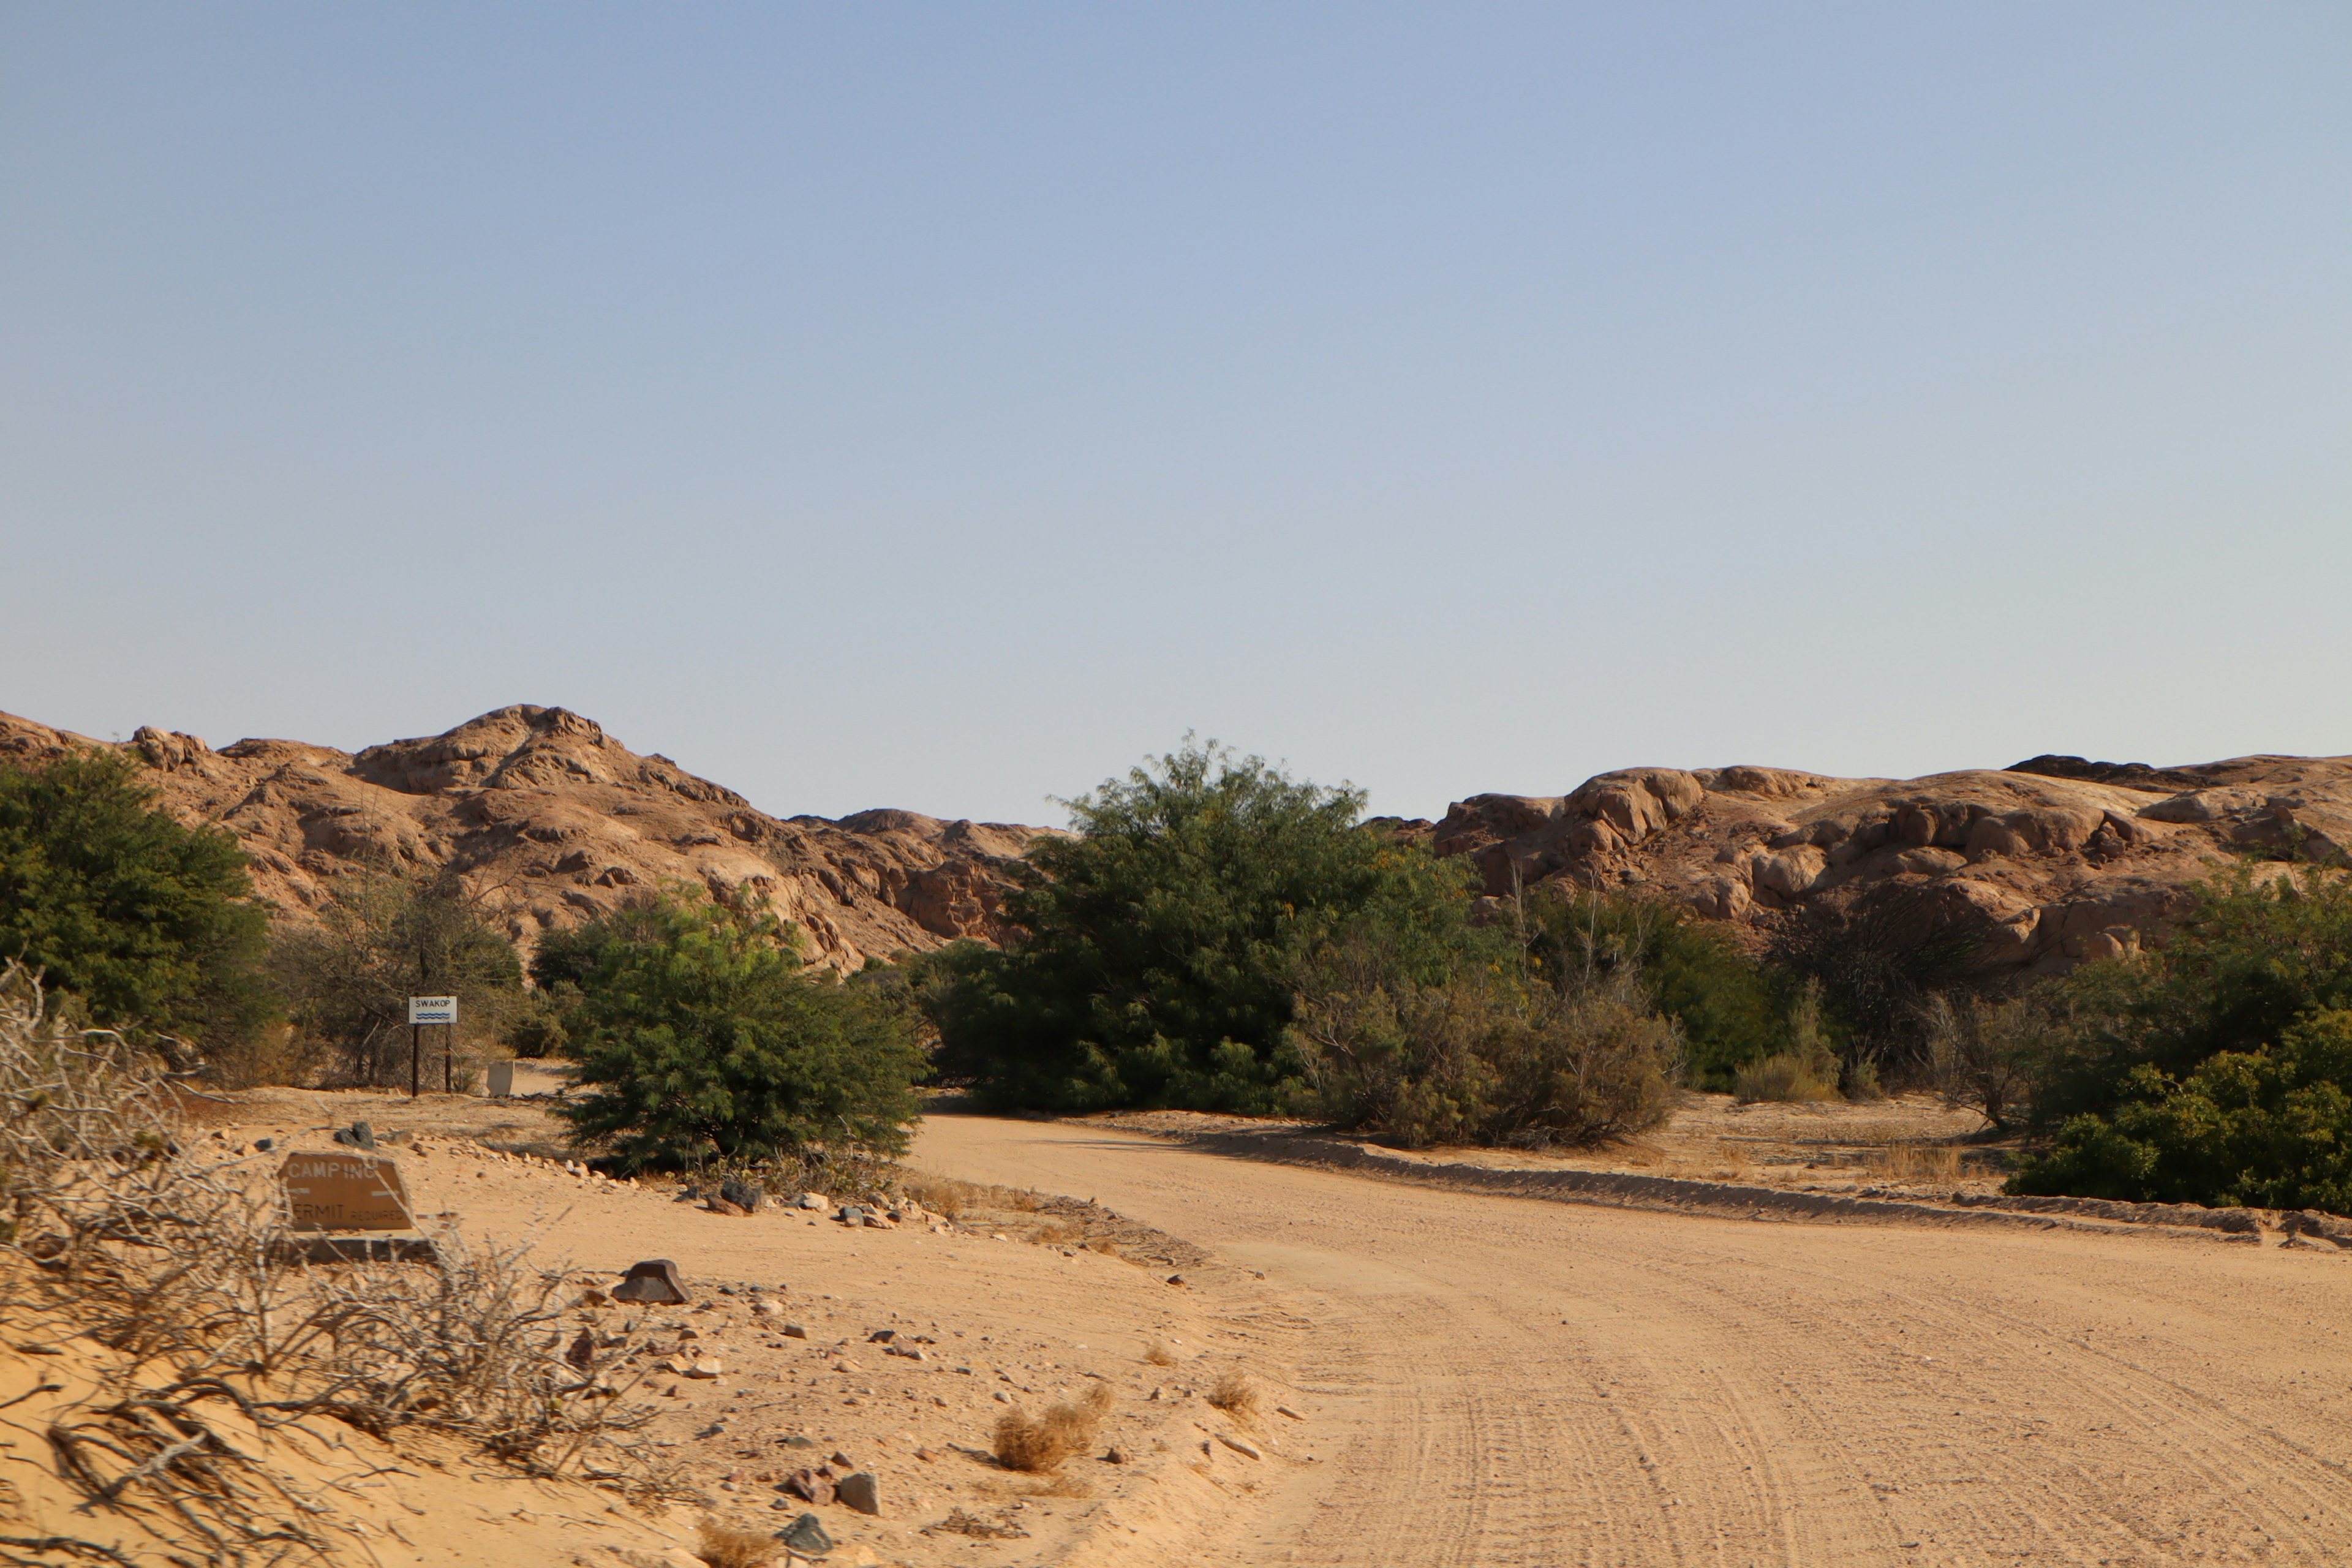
(385, 937)
(1161, 941)
(699, 1039)
(149, 924)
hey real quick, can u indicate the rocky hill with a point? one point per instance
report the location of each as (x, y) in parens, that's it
(550, 820)
(2035, 867)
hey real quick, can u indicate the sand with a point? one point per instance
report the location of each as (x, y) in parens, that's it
(1498, 1380)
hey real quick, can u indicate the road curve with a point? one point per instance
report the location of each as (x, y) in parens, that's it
(1500, 1382)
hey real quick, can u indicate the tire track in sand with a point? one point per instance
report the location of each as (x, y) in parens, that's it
(1497, 1382)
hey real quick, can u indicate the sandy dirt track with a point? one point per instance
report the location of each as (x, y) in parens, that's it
(1498, 1380)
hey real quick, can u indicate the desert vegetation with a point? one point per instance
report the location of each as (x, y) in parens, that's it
(135, 922)
(699, 1038)
(114, 1229)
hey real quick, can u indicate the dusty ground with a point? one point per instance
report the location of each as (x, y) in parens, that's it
(1496, 1381)
(1465, 1378)
(1019, 1302)
(1908, 1145)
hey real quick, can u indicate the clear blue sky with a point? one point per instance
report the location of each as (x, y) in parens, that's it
(943, 406)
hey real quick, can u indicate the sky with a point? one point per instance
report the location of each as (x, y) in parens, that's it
(946, 408)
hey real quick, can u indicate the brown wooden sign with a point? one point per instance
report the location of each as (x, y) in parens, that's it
(345, 1192)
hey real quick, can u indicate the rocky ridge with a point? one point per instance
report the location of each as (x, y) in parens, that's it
(550, 822)
(2039, 866)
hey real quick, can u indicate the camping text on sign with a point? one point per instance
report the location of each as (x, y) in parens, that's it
(432, 1009)
(345, 1192)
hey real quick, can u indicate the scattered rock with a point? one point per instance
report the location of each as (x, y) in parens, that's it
(1242, 1446)
(806, 1536)
(358, 1135)
(654, 1282)
(881, 1336)
(798, 1440)
(705, 1367)
(860, 1491)
(1115, 1455)
(1175, 1280)
(809, 1486)
(744, 1196)
(795, 1332)
(843, 1460)
(721, 1206)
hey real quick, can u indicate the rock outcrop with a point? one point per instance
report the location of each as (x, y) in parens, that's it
(550, 821)
(2038, 866)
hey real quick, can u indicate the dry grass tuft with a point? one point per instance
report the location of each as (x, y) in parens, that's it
(1025, 1202)
(1158, 1355)
(1103, 1245)
(1039, 1445)
(941, 1196)
(1917, 1161)
(1058, 1233)
(1235, 1395)
(725, 1546)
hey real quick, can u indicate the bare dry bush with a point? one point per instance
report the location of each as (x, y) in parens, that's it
(726, 1546)
(1040, 1444)
(1235, 1395)
(1058, 1233)
(111, 1229)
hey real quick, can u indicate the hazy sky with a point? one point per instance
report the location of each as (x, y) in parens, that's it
(943, 406)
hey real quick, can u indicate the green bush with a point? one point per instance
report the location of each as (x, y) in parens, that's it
(1490, 1054)
(2268, 1129)
(1805, 1069)
(1731, 1009)
(701, 1041)
(384, 938)
(1161, 941)
(2245, 963)
(145, 923)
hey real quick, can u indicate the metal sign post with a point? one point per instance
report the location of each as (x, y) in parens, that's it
(423, 1010)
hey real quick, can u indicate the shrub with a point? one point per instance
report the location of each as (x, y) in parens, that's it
(1160, 941)
(700, 1041)
(1730, 1009)
(1039, 1445)
(2245, 961)
(1489, 1054)
(1877, 962)
(1807, 1071)
(1235, 1395)
(2270, 1128)
(148, 925)
(385, 937)
(115, 1227)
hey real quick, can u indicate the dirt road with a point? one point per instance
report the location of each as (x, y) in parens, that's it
(1496, 1381)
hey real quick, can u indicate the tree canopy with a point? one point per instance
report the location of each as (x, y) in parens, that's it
(699, 1038)
(147, 922)
(1162, 941)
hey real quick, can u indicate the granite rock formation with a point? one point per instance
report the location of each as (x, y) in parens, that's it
(552, 821)
(2039, 866)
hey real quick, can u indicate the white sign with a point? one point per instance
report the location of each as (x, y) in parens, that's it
(432, 1009)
